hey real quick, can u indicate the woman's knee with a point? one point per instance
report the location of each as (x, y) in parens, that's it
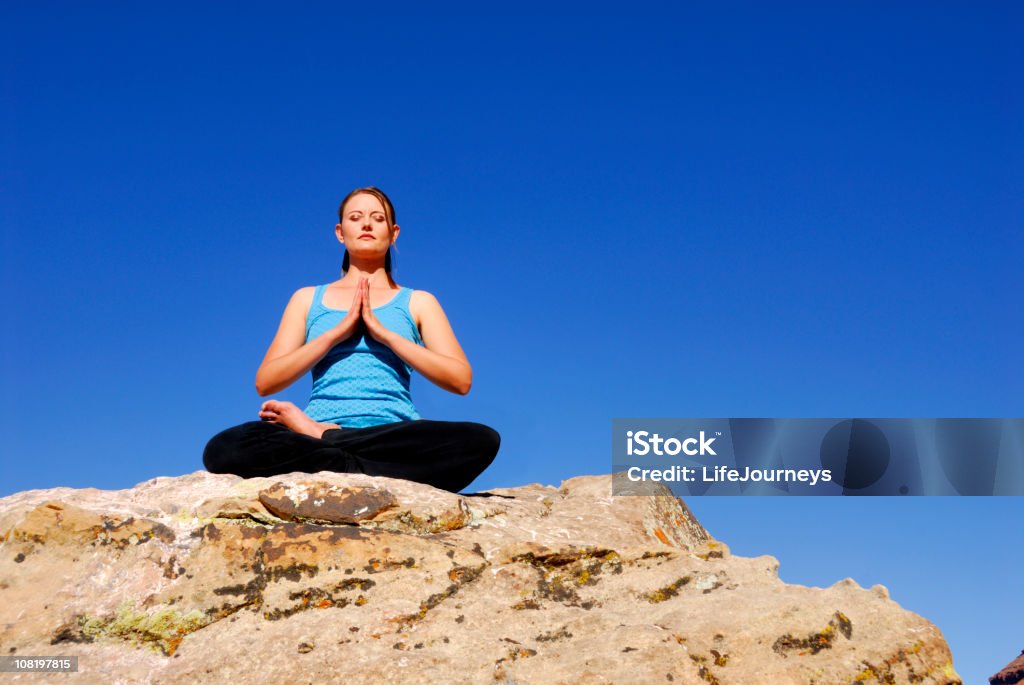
(485, 440)
(492, 438)
(221, 451)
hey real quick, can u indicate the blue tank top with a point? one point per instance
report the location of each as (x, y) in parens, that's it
(362, 382)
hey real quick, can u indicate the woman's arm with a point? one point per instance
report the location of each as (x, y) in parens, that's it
(441, 360)
(289, 355)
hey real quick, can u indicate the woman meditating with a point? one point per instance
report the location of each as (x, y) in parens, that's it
(361, 335)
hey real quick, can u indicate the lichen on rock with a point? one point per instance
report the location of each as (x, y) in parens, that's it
(356, 579)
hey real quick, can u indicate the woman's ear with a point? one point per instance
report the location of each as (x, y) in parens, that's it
(394, 233)
(341, 236)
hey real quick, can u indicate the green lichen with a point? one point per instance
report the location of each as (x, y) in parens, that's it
(950, 672)
(186, 516)
(667, 592)
(248, 521)
(817, 641)
(562, 572)
(460, 575)
(407, 522)
(162, 630)
(899, 667)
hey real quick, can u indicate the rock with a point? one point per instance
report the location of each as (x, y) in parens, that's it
(322, 503)
(350, 578)
(1012, 674)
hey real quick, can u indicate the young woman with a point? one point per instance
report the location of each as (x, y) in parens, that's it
(361, 335)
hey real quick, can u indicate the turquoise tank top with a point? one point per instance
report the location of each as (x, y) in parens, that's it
(362, 382)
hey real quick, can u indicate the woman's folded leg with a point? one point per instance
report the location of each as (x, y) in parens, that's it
(446, 454)
(261, 448)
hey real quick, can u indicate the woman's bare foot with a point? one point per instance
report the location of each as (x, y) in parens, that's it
(290, 416)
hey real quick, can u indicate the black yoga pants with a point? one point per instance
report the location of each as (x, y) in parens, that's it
(445, 454)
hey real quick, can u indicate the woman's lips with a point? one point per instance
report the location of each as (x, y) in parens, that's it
(366, 237)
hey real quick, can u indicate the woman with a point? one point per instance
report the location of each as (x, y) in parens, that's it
(361, 335)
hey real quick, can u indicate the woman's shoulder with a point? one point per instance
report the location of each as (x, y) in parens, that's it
(302, 299)
(421, 298)
(305, 293)
(422, 303)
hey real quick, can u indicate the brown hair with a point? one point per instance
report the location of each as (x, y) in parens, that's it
(389, 215)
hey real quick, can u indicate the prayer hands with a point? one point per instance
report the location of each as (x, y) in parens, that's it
(374, 327)
(361, 312)
(350, 324)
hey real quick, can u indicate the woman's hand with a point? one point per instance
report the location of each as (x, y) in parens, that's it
(440, 359)
(374, 327)
(348, 325)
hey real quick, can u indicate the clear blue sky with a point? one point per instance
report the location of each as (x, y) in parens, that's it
(803, 210)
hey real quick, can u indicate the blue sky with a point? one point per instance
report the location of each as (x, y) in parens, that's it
(797, 211)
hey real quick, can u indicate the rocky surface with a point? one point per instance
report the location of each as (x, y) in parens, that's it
(1011, 674)
(348, 578)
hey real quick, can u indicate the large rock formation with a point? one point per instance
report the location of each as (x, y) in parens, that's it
(347, 578)
(1011, 674)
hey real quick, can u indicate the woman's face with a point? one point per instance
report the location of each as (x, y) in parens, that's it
(364, 225)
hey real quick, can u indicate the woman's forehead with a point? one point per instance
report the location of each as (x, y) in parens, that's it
(364, 202)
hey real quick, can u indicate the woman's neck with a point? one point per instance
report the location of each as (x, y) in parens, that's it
(376, 274)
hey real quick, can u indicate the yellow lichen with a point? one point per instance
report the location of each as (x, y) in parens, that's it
(163, 629)
(864, 675)
(667, 592)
